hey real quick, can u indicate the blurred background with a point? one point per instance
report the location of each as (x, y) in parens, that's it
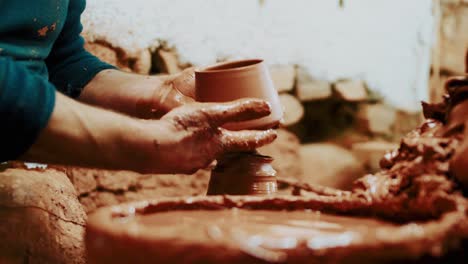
(350, 74)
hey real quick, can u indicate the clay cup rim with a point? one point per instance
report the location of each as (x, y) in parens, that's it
(230, 66)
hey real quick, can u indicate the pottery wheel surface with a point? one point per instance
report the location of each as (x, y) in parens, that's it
(413, 210)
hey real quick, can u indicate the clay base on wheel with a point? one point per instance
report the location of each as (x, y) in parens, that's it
(251, 229)
(413, 210)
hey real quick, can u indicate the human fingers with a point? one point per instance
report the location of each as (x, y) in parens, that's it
(185, 82)
(246, 140)
(240, 110)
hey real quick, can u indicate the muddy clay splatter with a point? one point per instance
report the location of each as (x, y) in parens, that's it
(43, 31)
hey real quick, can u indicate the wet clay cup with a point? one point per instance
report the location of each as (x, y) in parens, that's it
(245, 173)
(234, 80)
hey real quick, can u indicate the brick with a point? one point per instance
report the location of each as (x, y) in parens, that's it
(107, 54)
(143, 62)
(283, 77)
(310, 89)
(293, 109)
(351, 90)
(167, 61)
(376, 118)
(139, 62)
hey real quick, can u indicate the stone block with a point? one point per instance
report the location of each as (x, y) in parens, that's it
(166, 61)
(310, 89)
(351, 90)
(370, 153)
(292, 109)
(376, 118)
(139, 62)
(283, 77)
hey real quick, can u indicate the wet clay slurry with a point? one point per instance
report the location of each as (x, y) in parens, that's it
(270, 229)
(247, 229)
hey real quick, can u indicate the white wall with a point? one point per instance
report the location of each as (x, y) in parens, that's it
(385, 42)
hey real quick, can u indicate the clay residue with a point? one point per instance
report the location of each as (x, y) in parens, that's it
(43, 31)
(276, 231)
(247, 229)
(416, 181)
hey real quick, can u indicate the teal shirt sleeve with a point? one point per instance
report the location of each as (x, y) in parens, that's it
(26, 103)
(27, 97)
(70, 66)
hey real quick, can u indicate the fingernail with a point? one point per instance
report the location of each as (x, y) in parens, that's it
(263, 104)
(269, 105)
(275, 134)
(270, 133)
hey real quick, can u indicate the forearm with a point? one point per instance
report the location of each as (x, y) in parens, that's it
(82, 135)
(127, 93)
(140, 96)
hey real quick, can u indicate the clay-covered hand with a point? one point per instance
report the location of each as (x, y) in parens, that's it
(193, 137)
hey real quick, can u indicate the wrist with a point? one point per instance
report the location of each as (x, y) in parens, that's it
(127, 93)
(152, 103)
(168, 97)
(140, 144)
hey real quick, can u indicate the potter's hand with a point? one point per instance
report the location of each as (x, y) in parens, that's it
(193, 138)
(186, 139)
(184, 82)
(177, 89)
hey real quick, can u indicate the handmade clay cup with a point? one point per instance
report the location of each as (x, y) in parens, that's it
(247, 173)
(240, 79)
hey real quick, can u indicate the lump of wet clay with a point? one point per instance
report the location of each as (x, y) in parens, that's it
(457, 122)
(42, 220)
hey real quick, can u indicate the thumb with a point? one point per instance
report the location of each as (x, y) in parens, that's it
(184, 82)
(174, 98)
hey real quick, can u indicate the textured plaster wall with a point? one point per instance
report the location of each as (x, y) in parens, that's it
(385, 42)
